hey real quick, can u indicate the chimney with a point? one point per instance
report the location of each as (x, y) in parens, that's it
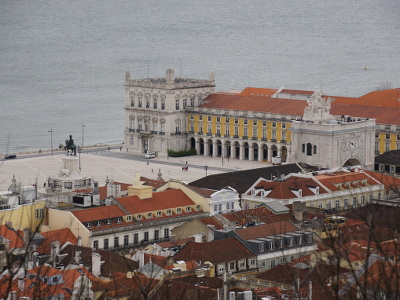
(96, 264)
(139, 189)
(95, 190)
(26, 237)
(55, 251)
(172, 238)
(77, 258)
(21, 284)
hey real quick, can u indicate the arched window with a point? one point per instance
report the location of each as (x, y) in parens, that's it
(315, 149)
(309, 149)
(303, 148)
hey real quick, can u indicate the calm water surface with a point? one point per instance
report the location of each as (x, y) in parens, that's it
(63, 62)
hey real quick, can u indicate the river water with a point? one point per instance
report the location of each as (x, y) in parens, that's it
(63, 63)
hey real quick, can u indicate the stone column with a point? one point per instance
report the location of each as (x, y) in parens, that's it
(270, 153)
(215, 149)
(233, 151)
(241, 152)
(198, 146)
(260, 153)
(206, 149)
(251, 152)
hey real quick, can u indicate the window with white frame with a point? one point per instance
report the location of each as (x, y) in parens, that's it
(188, 209)
(232, 265)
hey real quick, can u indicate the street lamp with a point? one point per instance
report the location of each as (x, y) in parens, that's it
(83, 126)
(79, 152)
(51, 139)
(206, 168)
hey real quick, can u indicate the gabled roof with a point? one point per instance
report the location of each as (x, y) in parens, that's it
(61, 235)
(390, 182)
(113, 262)
(241, 181)
(14, 236)
(160, 201)
(285, 189)
(265, 230)
(217, 251)
(339, 178)
(390, 158)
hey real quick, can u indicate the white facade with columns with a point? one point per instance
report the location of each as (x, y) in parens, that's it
(155, 111)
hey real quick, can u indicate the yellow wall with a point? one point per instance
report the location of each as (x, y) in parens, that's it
(24, 216)
(59, 219)
(250, 125)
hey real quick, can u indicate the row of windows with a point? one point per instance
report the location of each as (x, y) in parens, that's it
(236, 131)
(354, 202)
(125, 241)
(228, 206)
(388, 136)
(310, 149)
(236, 121)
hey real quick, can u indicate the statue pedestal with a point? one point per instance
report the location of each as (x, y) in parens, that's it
(71, 165)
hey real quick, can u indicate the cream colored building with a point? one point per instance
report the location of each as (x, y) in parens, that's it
(155, 111)
(326, 190)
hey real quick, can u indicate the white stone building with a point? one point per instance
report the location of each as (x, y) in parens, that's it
(155, 111)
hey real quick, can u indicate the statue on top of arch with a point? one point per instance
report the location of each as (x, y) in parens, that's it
(319, 108)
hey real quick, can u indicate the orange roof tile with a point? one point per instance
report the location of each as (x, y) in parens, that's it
(383, 114)
(14, 236)
(62, 235)
(160, 201)
(98, 213)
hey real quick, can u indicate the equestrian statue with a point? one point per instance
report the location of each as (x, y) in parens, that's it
(69, 145)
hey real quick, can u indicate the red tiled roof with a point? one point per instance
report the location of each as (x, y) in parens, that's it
(343, 177)
(62, 235)
(160, 201)
(284, 189)
(14, 236)
(390, 182)
(217, 251)
(211, 221)
(265, 230)
(385, 98)
(250, 91)
(383, 114)
(98, 213)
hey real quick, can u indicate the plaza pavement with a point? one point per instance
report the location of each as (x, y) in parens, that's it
(117, 165)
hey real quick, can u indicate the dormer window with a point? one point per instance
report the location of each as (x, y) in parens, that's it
(188, 209)
(119, 220)
(271, 246)
(139, 216)
(290, 242)
(159, 213)
(98, 223)
(129, 218)
(169, 212)
(108, 222)
(179, 210)
(198, 207)
(149, 215)
(88, 225)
